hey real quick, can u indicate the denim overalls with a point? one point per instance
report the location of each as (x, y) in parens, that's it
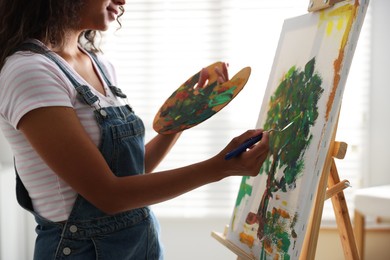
(89, 233)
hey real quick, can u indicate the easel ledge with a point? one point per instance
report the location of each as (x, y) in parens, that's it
(316, 5)
(241, 254)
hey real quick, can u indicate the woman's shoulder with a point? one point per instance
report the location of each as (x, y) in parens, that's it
(29, 80)
(30, 72)
(22, 62)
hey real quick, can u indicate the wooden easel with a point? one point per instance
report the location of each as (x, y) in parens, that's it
(329, 186)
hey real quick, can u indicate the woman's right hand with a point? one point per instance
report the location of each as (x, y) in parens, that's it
(249, 162)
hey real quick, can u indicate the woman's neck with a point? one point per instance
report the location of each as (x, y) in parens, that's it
(70, 48)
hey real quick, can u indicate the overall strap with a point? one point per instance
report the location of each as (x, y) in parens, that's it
(117, 91)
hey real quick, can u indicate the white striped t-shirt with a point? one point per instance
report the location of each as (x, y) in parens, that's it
(29, 81)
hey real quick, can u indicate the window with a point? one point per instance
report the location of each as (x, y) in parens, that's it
(162, 43)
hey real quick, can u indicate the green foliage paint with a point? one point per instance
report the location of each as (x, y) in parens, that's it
(295, 99)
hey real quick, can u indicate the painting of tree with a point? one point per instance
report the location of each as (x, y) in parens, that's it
(295, 100)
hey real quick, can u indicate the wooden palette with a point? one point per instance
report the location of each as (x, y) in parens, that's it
(189, 105)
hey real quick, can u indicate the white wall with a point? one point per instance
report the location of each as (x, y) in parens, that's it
(190, 239)
(16, 225)
(5, 151)
(379, 168)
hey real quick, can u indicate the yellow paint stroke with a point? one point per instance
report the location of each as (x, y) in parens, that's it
(341, 15)
(345, 14)
(329, 28)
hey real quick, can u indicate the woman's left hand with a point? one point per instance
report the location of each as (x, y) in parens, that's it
(223, 75)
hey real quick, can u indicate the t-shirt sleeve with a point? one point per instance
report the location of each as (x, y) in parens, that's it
(31, 81)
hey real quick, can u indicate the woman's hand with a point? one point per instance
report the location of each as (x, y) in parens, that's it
(249, 162)
(222, 73)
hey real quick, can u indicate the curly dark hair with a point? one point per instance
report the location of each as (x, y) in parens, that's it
(46, 20)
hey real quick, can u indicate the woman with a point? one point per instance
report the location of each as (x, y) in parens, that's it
(81, 163)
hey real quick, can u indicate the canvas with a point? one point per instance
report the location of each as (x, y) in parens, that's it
(305, 87)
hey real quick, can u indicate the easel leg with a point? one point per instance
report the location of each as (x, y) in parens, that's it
(342, 217)
(313, 229)
(359, 224)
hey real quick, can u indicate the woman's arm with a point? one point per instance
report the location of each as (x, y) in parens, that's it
(59, 138)
(159, 146)
(157, 149)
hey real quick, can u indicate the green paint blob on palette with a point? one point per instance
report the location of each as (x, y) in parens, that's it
(189, 105)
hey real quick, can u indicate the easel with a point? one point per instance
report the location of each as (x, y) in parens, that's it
(329, 186)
